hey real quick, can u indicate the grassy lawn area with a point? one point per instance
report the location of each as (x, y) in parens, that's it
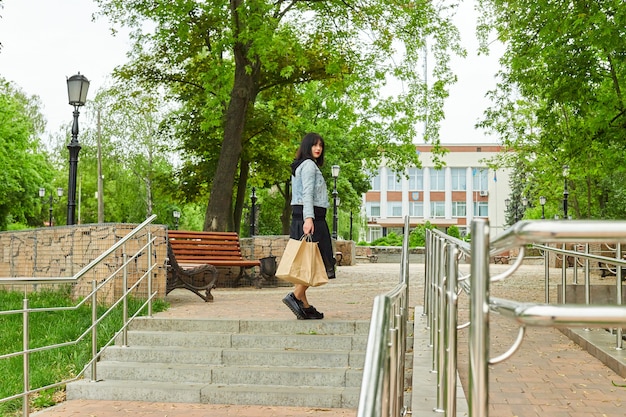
(48, 328)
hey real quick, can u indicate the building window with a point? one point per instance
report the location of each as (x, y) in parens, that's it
(459, 179)
(480, 179)
(437, 209)
(375, 180)
(481, 209)
(416, 209)
(459, 209)
(394, 209)
(373, 209)
(394, 182)
(437, 180)
(376, 232)
(416, 179)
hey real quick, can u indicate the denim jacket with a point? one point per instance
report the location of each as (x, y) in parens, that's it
(309, 188)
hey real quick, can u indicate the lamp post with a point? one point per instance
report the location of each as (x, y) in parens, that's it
(51, 201)
(542, 201)
(253, 212)
(565, 192)
(335, 174)
(176, 215)
(507, 203)
(77, 86)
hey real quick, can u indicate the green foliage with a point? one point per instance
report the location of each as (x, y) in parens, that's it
(560, 102)
(454, 231)
(50, 366)
(24, 163)
(392, 239)
(243, 102)
(418, 235)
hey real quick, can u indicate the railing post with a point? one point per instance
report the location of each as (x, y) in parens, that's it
(546, 263)
(125, 300)
(94, 330)
(149, 249)
(440, 352)
(563, 275)
(618, 292)
(450, 338)
(479, 320)
(26, 358)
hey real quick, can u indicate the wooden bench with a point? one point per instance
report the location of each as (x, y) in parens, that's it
(195, 279)
(190, 250)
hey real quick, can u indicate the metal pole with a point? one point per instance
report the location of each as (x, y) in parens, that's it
(335, 210)
(565, 195)
(100, 177)
(350, 225)
(74, 148)
(479, 320)
(50, 216)
(253, 213)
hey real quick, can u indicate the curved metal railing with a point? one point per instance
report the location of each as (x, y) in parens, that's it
(382, 387)
(444, 282)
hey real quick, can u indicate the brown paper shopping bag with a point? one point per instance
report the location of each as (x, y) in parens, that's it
(302, 263)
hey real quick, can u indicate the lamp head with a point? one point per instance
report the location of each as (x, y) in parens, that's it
(524, 201)
(565, 171)
(507, 202)
(542, 200)
(176, 214)
(77, 87)
(42, 192)
(60, 192)
(335, 171)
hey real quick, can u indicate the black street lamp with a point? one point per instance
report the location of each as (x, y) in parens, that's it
(51, 201)
(77, 86)
(335, 174)
(507, 203)
(176, 215)
(542, 201)
(565, 192)
(253, 212)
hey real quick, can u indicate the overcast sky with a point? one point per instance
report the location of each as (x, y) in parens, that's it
(46, 41)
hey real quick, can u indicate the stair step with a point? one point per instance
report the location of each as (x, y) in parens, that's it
(206, 340)
(284, 396)
(231, 326)
(305, 363)
(277, 395)
(263, 375)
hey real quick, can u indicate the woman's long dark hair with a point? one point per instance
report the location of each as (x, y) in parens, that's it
(304, 151)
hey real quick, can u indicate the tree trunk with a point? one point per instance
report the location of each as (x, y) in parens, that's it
(285, 217)
(241, 193)
(219, 214)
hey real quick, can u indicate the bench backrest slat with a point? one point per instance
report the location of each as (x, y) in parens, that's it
(204, 247)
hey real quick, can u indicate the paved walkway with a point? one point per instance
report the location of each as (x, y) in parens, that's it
(548, 376)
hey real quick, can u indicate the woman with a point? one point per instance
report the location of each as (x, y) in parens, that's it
(309, 202)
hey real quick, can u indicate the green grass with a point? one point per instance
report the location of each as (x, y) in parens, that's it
(46, 328)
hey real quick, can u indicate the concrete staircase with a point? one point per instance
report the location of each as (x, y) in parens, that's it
(300, 363)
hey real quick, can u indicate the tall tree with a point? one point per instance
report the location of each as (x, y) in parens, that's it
(24, 162)
(560, 101)
(218, 58)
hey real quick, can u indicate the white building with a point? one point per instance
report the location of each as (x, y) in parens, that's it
(464, 189)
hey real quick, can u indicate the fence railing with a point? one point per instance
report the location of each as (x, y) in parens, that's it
(119, 274)
(444, 283)
(382, 388)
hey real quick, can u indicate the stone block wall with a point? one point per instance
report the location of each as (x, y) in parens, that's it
(64, 251)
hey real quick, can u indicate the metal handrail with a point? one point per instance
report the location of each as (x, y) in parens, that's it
(382, 387)
(91, 298)
(443, 282)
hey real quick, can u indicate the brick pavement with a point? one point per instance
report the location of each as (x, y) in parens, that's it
(548, 376)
